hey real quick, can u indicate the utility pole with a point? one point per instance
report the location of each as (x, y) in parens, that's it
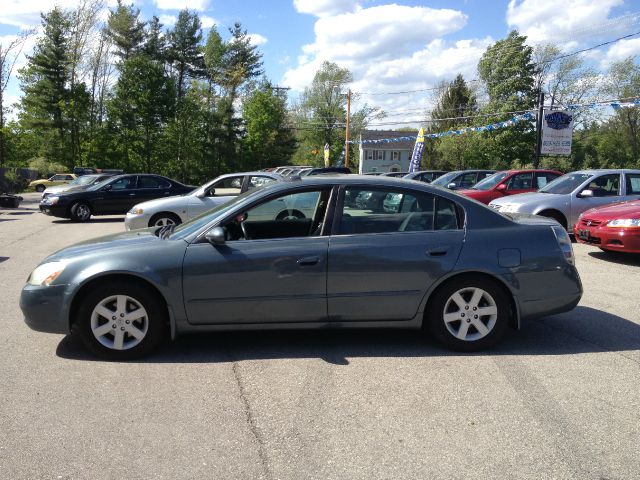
(346, 140)
(539, 123)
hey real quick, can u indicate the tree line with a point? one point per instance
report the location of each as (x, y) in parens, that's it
(129, 94)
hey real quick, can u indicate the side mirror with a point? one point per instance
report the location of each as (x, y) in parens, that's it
(452, 185)
(586, 193)
(216, 236)
(201, 194)
(501, 187)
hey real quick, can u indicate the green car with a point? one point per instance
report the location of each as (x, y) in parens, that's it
(57, 179)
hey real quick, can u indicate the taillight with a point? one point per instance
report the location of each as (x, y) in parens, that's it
(564, 242)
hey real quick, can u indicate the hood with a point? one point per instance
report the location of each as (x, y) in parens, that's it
(617, 210)
(522, 198)
(109, 245)
(57, 188)
(164, 202)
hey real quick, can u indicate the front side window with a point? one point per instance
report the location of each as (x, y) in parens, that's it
(490, 182)
(226, 186)
(124, 183)
(520, 181)
(57, 178)
(299, 214)
(467, 180)
(385, 211)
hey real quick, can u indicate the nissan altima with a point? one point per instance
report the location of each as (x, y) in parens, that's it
(431, 260)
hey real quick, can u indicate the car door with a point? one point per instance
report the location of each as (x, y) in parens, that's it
(605, 189)
(116, 197)
(382, 263)
(269, 270)
(150, 187)
(632, 186)
(519, 183)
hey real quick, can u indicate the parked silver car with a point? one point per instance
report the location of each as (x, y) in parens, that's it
(565, 198)
(437, 260)
(179, 209)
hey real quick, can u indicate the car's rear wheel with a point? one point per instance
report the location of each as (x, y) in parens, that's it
(164, 219)
(468, 313)
(80, 212)
(121, 321)
(40, 188)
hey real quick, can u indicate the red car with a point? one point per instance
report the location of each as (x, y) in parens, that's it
(612, 227)
(509, 182)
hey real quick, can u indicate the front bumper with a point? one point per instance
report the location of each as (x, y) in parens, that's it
(54, 210)
(609, 238)
(45, 309)
(136, 221)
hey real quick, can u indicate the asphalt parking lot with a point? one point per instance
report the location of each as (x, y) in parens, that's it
(558, 399)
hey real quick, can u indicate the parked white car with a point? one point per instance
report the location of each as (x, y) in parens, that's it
(179, 209)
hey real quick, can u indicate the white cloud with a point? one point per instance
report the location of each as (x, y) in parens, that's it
(378, 39)
(324, 8)
(168, 20)
(24, 14)
(207, 21)
(621, 51)
(550, 22)
(199, 5)
(257, 39)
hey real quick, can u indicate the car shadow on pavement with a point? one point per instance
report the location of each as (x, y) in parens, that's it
(93, 220)
(583, 330)
(631, 259)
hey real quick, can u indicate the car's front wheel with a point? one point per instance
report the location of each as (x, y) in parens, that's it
(164, 219)
(468, 313)
(121, 320)
(80, 212)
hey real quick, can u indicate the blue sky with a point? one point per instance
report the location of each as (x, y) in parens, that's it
(388, 46)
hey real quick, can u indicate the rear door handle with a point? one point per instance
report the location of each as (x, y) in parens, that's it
(308, 261)
(438, 251)
(132, 194)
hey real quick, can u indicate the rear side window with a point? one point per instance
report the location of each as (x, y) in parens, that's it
(153, 182)
(384, 211)
(633, 183)
(542, 178)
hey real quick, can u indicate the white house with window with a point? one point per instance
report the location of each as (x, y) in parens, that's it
(385, 157)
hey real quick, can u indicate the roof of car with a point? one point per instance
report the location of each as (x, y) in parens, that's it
(607, 170)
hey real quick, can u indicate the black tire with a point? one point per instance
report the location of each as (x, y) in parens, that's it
(477, 340)
(290, 214)
(154, 323)
(80, 212)
(557, 216)
(40, 188)
(172, 217)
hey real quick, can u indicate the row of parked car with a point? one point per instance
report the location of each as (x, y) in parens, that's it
(574, 200)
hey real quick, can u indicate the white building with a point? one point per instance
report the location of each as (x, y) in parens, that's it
(388, 156)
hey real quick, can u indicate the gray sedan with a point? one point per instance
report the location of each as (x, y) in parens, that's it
(432, 260)
(565, 198)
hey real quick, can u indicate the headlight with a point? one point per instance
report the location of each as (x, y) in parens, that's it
(508, 208)
(136, 211)
(46, 273)
(624, 222)
(51, 200)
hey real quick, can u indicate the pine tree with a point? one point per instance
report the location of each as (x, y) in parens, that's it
(125, 30)
(185, 52)
(45, 81)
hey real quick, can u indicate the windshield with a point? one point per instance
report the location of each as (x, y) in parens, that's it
(185, 229)
(566, 183)
(445, 179)
(490, 182)
(100, 184)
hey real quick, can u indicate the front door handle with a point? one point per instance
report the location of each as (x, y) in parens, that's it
(438, 251)
(132, 194)
(308, 261)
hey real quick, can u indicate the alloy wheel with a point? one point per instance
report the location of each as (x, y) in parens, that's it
(119, 322)
(470, 314)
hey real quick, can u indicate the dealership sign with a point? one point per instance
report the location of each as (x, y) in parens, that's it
(557, 130)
